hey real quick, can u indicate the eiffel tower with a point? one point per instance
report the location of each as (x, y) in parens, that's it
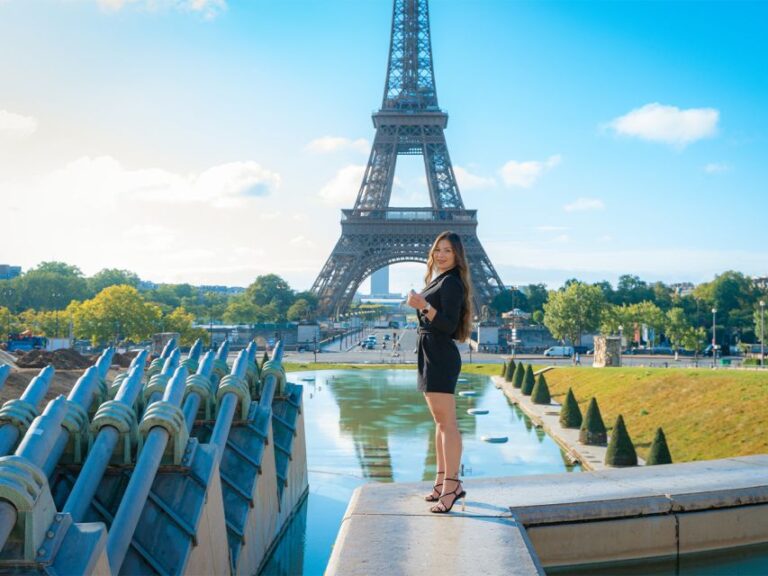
(410, 122)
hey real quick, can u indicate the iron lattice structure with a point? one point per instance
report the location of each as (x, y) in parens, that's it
(410, 122)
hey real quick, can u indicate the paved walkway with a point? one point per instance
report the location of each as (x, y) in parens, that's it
(388, 529)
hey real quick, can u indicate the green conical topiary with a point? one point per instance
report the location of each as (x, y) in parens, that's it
(528, 381)
(659, 453)
(620, 451)
(503, 368)
(517, 382)
(592, 428)
(510, 371)
(570, 414)
(540, 394)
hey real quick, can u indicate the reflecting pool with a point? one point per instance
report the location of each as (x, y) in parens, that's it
(374, 426)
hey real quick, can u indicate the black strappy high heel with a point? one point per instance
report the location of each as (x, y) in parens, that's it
(441, 508)
(431, 497)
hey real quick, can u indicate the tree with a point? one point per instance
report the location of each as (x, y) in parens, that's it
(519, 376)
(621, 451)
(537, 295)
(241, 310)
(631, 290)
(570, 414)
(300, 310)
(181, 321)
(508, 300)
(509, 370)
(53, 324)
(648, 313)
(693, 338)
(659, 452)
(112, 277)
(734, 296)
(272, 290)
(60, 268)
(540, 394)
(7, 322)
(528, 381)
(592, 429)
(9, 294)
(570, 312)
(608, 292)
(761, 323)
(50, 286)
(676, 327)
(115, 313)
(206, 306)
(616, 319)
(662, 295)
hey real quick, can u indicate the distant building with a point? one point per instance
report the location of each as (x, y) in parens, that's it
(221, 289)
(7, 272)
(761, 282)
(380, 282)
(682, 288)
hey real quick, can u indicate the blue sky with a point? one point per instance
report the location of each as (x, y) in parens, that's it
(210, 141)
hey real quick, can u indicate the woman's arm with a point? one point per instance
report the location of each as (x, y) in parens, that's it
(451, 298)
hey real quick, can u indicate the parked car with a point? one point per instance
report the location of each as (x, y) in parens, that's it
(662, 350)
(559, 351)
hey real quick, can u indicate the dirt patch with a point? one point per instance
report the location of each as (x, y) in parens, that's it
(63, 381)
(17, 381)
(60, 359)
(124, 360)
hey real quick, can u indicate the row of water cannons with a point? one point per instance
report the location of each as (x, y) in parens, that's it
(122, 454)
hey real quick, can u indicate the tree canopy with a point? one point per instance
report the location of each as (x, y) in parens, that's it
(570, 312)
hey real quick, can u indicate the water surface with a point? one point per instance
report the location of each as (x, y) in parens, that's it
(374, 426)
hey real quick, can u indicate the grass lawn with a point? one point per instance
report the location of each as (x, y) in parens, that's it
(705, 413)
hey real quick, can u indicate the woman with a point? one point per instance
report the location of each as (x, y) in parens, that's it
(443, 309)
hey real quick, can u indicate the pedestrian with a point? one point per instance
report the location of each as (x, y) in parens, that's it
(444, 312)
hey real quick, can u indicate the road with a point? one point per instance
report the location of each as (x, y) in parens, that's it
(351, 352)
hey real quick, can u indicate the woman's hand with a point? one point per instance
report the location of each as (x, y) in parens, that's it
(416, 300)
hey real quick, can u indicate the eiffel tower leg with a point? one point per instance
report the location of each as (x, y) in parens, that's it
(376, 188)
(443, 190)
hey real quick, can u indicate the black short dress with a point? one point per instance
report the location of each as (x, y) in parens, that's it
(439, 359)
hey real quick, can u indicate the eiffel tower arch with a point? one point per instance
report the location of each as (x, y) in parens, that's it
(410, 122)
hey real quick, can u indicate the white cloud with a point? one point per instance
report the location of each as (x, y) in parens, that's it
(103, 180)
(469, 181)
(668, 124)
(716, 168)
(16, 124)
(165, 225)
(207, 8)
(584, 205)
(343, 188)
(328, 144)
(524, 174)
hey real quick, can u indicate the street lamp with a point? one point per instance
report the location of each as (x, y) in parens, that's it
(621, 341)
(762, 333)
(714, 339)
(470, 340)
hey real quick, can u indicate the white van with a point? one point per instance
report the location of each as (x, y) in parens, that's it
(562, 351)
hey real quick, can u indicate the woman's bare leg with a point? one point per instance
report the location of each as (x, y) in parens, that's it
(447, 436)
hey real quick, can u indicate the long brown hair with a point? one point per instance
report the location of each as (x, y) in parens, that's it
(464, 329)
